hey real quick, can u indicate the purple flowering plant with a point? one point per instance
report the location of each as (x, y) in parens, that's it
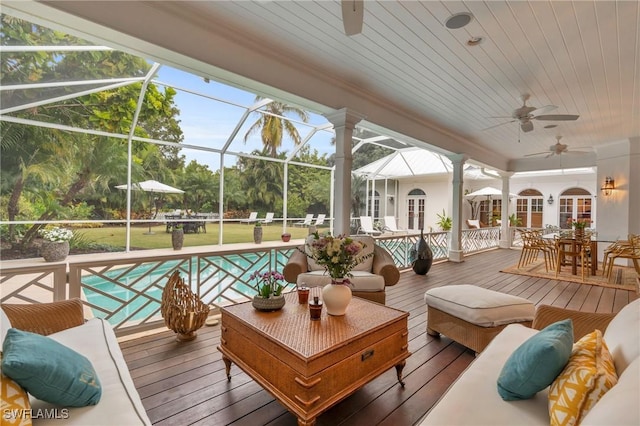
(268, 283)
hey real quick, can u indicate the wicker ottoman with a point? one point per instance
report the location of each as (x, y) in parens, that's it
(473, 316)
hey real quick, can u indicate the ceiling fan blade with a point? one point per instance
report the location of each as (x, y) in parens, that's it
(557, 117)
(526, 126)
(537, 153)
(544, 109)
(498, 125)
(352, 16)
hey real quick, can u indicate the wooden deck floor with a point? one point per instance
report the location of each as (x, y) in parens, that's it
(185, 383)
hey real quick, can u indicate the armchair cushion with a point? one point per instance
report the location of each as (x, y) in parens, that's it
(362, 281)
(369, 244)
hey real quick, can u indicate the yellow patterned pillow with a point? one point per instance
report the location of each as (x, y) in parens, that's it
(588, 375)
(15, 408)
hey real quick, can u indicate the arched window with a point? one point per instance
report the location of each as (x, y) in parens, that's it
(575, 203)
(529, 207)
(416, 202)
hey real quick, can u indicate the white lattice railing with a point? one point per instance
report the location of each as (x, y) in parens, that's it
(126, 288)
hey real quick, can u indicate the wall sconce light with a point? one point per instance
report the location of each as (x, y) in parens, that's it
(390, 198)
(609, 186)
(550, 199)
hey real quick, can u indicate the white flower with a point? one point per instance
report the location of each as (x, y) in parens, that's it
(56, 234)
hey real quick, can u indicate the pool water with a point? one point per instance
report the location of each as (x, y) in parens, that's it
(138, 290)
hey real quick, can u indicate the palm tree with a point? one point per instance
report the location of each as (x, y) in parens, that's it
(272, 126)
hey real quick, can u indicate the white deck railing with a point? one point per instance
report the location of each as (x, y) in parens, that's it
(126, 288)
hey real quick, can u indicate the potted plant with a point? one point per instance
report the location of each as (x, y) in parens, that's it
(285, 237)
(55, 246)
(269, 297)
(444, 221)
(177, 237)
(514, 220)
(257, 233)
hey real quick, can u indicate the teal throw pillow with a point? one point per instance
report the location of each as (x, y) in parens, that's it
(537, 362)
(49, 370)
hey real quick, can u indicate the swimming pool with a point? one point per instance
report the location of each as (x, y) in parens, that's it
(134, 294)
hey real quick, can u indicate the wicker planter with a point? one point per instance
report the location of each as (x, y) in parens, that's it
(54, 251)
(269, 304)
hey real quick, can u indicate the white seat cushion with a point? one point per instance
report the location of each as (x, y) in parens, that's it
(619, 406)
(480, 306)
(361, 281)
(120, 403)
(473, 398)
(622, 337)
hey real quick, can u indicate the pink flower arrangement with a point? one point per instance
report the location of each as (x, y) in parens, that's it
(339, 255)
(268, 283)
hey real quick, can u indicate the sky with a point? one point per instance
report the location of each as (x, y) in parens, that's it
(207, 122)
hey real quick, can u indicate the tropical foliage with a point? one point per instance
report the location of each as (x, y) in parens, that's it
(49, 174)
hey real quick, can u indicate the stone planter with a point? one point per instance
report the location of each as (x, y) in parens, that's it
(54, 251)
(257, 234)
(177, 239)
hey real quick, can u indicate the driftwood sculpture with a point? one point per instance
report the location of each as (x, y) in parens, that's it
(182, 310)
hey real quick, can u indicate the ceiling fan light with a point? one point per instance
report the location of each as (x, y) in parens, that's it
(458, 20)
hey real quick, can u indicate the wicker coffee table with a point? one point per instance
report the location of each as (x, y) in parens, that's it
(309, 366)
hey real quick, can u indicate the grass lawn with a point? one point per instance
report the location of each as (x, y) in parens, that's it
(140, 239)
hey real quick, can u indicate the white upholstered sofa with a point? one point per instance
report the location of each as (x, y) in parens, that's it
(64, 322)
(473, 398)
(369, 280)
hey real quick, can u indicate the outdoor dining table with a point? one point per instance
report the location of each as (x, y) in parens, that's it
(567, 239)
(189, 225)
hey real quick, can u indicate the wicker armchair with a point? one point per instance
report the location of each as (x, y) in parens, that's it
(583, 322)
(382, 265)
(45, 318)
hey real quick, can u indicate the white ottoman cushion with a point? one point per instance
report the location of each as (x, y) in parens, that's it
(480, 306)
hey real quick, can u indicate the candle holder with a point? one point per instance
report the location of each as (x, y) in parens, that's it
(315, 309)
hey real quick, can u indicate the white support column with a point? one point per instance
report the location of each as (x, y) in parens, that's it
(344, 121)
(505, 233)
(455, 248)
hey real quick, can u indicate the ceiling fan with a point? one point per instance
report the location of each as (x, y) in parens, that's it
(352, 16)
(526, 113)
(557, 149)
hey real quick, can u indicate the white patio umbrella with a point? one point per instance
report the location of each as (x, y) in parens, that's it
(488, 192)
(152, 186)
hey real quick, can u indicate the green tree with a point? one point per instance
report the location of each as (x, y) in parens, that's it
(69, 166)
(262, 180)
(196, 184)
(272, 126)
